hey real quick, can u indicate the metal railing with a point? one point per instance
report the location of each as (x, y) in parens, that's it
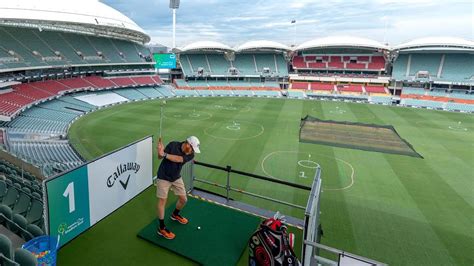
(228, 187)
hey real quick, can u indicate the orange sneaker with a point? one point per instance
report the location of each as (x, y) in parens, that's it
(165, 233)
(179, 218)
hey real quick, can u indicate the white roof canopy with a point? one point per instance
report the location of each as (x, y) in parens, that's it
(85, 16)
(436, 43)
(262, 45)
(205, 45)
(341, 41)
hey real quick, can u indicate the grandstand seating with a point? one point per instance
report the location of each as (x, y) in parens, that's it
(21, 206)
(300, 85)
(28, 93)
(375, 89)
(218, 64)
(150, 92)
(460, 107)
(371, 62)
(131, 94)
(185, 93)
(321, 86)
(422, 103)
(296, 94)
(99, 82)
(454, 67)
(123, 81)
(57, 153)
(33, 48)
(425, 62)
(350, 88)
(380, 100)
(245, 63)
(458, 67)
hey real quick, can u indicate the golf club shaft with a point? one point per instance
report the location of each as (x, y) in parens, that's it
(161, 121)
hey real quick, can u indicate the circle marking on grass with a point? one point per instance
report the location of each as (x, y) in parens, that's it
(308, 164)
(298, 152)
(194, 116)
(235, 126)
(458, 127)
(232, 108)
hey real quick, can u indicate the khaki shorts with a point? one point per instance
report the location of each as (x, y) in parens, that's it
(163, 186)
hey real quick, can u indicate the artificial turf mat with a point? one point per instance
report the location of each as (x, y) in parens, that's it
(220, 241)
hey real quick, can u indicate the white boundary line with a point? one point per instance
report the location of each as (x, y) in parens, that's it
(299, 152)
(262, 130)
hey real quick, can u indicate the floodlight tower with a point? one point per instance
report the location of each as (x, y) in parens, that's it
(174, 5)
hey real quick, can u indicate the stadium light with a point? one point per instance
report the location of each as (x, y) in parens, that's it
(174, 5)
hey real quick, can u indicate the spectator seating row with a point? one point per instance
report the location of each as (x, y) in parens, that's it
(26, 48)
(26, 94)
(340, 62)
(19, 256)
(272, 64)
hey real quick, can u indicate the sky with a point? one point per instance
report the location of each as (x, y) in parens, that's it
(235, 22)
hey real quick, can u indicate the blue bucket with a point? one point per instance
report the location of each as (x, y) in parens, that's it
(44, 248)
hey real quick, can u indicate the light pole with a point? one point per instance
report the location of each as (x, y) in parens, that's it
(174, 5)
(294, 31)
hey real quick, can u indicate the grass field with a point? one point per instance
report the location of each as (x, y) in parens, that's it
(396, 209)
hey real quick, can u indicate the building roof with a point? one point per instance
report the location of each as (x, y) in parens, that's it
(86, 16)
(262, 45)
(341, 41)
(205, 45)
(436, 43)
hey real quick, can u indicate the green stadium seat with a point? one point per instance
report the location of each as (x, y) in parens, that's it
(11, 197)
(6, 247)
(3, 189)
(25, 258)
(35, 212)
(34, 230)
(6, 214)
(19, 224)
(22, 203)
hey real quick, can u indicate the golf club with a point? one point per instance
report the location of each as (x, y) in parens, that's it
(162, 104)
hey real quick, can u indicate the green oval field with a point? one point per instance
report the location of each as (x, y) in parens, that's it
(397, 209)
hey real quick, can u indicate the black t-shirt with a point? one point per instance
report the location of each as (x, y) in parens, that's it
(169, 170)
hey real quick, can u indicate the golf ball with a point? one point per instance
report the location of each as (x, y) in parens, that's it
(199, 228)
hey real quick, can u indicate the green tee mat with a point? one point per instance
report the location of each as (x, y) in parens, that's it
(221, 240)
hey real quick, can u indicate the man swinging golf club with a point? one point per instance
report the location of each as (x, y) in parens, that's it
(173, 157)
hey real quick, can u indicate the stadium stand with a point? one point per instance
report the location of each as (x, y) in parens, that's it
(21, 206)
(320, 61)
(26, 94)
(33, 48)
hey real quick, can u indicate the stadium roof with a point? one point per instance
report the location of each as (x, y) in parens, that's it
(85, 16)
(205, 45)
(262, 45)
(436, 43)
(341, 41)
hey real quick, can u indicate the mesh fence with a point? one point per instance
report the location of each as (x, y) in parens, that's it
(369, 137)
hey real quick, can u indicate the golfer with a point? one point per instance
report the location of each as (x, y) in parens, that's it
(173, 157)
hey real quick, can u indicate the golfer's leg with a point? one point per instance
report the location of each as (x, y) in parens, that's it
(180, 191)
(161, 208)
(182, 199)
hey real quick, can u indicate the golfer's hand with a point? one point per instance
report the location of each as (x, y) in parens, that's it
(161, 149)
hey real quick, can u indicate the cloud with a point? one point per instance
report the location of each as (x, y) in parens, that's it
(235, 23)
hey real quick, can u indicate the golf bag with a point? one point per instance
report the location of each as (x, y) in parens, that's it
(271, 245)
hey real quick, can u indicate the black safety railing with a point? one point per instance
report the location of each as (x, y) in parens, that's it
(228, 187)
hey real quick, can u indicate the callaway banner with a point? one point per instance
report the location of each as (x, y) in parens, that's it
(80, 198)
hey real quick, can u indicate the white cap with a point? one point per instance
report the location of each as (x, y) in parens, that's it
(194, 143)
